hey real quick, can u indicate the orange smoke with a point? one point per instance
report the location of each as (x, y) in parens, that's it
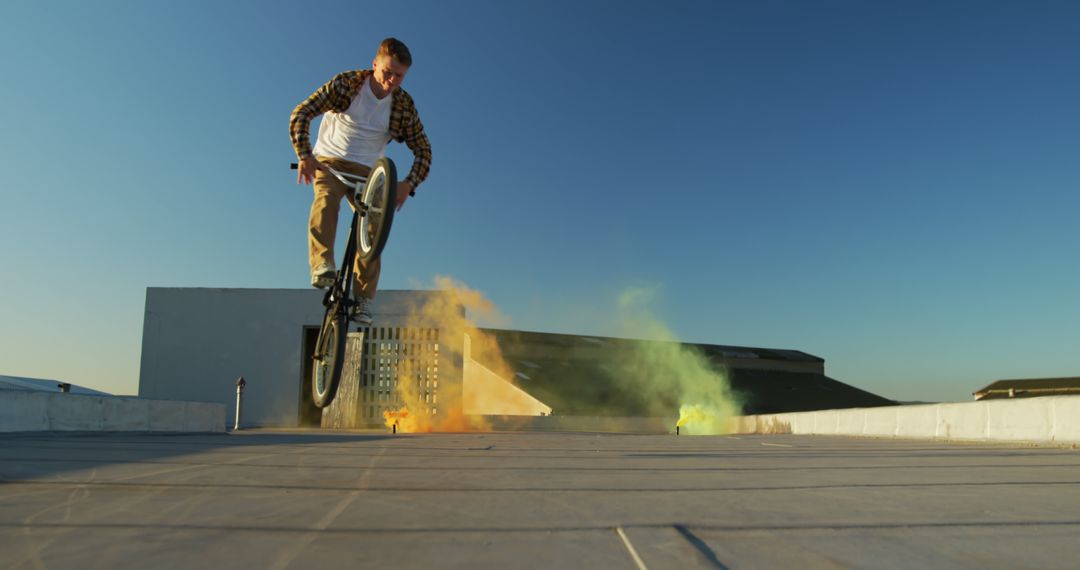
(399, 418)
(441, 408)
(453, 422)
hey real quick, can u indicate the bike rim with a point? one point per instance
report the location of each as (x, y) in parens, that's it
(375, 199)
(320, 377)
(325, 364)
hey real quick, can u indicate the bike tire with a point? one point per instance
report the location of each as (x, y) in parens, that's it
(329, 358)
(380, 198)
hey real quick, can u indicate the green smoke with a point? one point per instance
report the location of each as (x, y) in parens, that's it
(664, 371)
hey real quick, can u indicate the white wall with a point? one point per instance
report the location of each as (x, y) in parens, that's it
(22, 410)
(197, 342)
(1044, 419)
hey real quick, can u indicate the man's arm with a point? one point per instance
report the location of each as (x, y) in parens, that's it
(416, 139)
(325, 98)
(412, 134)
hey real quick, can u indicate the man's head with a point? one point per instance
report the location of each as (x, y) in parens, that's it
(391, 63)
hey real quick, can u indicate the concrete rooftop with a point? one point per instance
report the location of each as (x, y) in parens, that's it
(270, 499)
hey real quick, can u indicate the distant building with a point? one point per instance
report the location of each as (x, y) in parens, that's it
(1029, 388)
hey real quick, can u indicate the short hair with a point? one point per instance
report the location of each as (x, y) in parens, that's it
(396, 49)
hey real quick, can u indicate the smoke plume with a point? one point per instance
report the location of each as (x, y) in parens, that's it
(663, 370)
(450, 402)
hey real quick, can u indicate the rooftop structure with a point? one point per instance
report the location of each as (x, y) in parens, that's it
(197, 342)
(43, 385)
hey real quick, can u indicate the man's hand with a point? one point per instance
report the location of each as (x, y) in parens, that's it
(403, 189)
(305, 174)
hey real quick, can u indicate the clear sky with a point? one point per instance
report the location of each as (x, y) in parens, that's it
(892, 186)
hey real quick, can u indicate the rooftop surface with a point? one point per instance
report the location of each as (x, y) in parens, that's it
(311, 499)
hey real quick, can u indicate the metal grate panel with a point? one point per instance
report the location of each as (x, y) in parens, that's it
(399, 354)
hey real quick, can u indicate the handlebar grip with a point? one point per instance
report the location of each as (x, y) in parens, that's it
(294, 166)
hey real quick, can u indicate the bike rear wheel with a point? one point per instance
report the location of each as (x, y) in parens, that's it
(380, 199)
(329, 358)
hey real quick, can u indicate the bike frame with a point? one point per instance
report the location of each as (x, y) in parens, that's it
(355, 182)
(338, 298)
(345, 272)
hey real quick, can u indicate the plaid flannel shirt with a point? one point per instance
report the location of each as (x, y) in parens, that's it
(337, 95)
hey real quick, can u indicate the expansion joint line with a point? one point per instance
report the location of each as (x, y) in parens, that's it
(630, 548)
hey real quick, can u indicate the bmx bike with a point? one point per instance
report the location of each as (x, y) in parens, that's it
(375, 197)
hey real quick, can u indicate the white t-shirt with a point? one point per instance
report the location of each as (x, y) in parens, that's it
(360, 133)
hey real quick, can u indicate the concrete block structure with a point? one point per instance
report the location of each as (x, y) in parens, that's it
(197, 342)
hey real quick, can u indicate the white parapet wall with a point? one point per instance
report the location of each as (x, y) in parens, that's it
(1044, 420)
(25, 411)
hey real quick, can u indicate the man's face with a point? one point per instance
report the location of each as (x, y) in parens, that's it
(389, 73)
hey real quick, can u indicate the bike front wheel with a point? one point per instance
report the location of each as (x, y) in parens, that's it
(380, 200)
(329, 358)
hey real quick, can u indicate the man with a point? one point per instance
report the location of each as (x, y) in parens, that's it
(364, 110)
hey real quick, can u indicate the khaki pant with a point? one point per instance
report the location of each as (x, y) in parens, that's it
(322, 226)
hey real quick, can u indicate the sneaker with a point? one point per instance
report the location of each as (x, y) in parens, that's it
(323, 275)
(360, 311)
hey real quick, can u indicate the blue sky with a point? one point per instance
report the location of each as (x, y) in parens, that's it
(891, 186)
